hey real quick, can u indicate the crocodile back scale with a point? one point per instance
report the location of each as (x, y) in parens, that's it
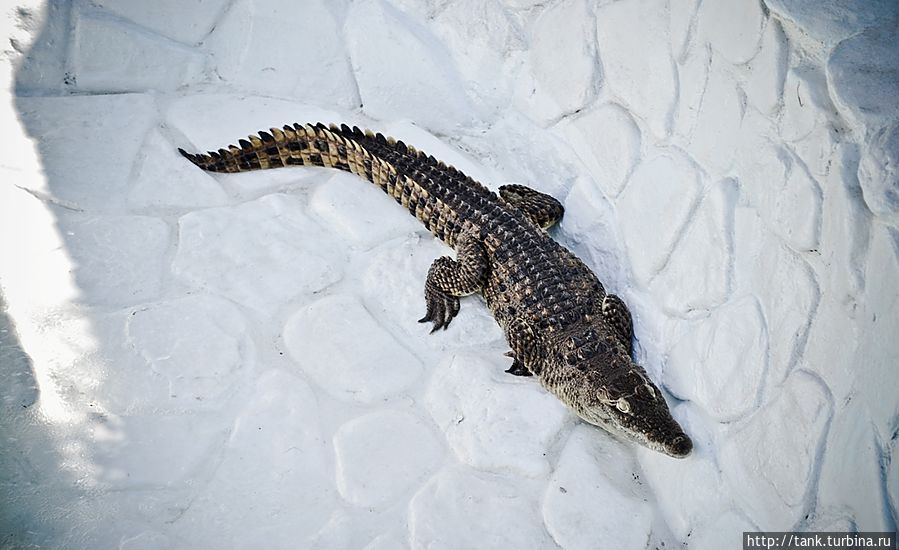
(561, 325)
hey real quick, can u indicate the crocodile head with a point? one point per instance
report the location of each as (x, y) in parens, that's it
(606, 388)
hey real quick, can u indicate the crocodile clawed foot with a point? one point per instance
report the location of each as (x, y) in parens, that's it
(518, 368)
(442, 308)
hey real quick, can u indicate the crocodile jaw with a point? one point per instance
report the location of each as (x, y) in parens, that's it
(677, 444)
(648, 420)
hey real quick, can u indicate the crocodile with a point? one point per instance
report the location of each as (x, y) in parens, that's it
(561, 325)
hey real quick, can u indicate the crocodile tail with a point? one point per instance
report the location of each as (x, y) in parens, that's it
(386, 162)
(297, 145)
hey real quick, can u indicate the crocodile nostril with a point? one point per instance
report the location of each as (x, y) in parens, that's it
(681, 446)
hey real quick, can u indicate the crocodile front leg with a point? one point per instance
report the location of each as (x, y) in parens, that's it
(517, 368)
(449, 279)
(526, 349)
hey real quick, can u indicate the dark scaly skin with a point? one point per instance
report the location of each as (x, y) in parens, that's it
(561, 325)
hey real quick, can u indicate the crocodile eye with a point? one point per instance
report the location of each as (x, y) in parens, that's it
(622, 405)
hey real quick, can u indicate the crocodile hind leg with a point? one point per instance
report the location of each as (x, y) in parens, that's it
(449, 279)
(619, 318)
(542, 209)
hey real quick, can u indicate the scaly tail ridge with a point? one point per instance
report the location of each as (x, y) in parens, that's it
(418, 182)
(297, 145)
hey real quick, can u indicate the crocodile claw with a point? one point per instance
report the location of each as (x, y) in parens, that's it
(442, 308)
(518, 369)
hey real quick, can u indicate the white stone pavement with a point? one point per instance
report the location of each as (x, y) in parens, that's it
(232, 361)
